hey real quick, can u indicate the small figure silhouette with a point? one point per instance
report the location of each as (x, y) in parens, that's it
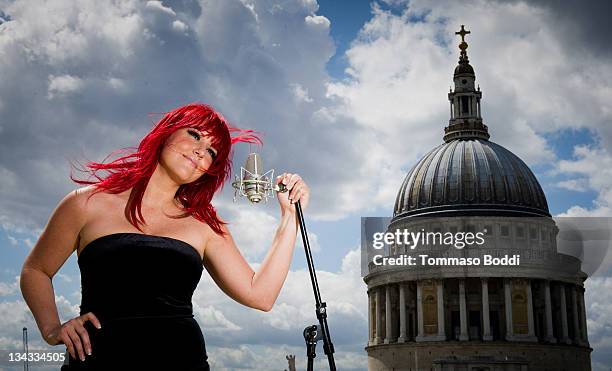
(291, 360)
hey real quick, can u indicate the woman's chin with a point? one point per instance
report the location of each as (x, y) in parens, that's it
(184, 175)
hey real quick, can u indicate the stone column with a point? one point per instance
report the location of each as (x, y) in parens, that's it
(548, 307)
(577, 335)
(402, 308)
(419, 304)
(370, 319)
(563, 308)
(463, 336)
(470, 110)
(451, 110)
(530, 321)
(440, 301)
(508, 307)
(585, 337)
(455, 107)
(486, 335)
(378, 317)
(388, 329)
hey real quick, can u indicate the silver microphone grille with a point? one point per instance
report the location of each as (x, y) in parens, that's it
(254, 183)
(253, 165)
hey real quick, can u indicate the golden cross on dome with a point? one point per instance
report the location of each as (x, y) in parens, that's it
(462, 32)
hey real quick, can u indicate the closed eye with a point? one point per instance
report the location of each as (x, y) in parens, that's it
(194, 133)
(213, 154)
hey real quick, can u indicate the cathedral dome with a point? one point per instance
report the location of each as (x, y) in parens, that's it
(470, 176)
(464, 68)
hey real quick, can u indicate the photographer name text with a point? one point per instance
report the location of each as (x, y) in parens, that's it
(426, 260)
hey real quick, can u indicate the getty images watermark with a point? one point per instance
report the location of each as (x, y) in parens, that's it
(503, 244)
(411, 240)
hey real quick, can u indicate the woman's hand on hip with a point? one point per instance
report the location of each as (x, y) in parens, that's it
(298, 190)
(74, 335)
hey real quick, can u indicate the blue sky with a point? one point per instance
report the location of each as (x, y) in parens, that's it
(347, 18)
(282, 69)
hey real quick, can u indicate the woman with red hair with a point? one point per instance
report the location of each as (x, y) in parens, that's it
(143, 234)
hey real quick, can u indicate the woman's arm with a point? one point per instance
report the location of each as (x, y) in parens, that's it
(57, 241)
(233, 274)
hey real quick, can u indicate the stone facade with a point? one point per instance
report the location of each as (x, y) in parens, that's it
(476, 356)
(495, 317)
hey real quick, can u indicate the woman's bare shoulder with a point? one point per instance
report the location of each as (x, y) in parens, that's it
(210, 235)
(87, 195)
(76, 198)
(86, 200)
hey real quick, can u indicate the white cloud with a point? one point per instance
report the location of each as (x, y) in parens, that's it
(250, 5)
(179, 26)
(65, 308)
(252, 228)
(300, 93)
(64, 277)
(593, 166)
(8, 225)
(214, 320)
(599, 321)
(579, 211)
(103, 56)
(578, 185)
(267, 333)
(159, 6)
(12, 240)
(259, 358)
(397, 83)
(318, 21)
(598, 366)
(235, 357)
(10, 178)
(117, 83)
(14, 316)
(292, 306)
(9, 288)
(398, 74)
(345, 292)
(63, 85)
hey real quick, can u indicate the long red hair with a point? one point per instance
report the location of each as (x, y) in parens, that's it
(134, 169)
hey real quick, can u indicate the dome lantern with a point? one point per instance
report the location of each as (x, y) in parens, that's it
(465, 119)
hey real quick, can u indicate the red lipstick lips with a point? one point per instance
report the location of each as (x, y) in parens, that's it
(191, 160)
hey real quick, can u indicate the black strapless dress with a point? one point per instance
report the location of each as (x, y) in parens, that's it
(140, 288)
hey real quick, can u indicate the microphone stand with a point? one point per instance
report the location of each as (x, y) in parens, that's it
(314, 333)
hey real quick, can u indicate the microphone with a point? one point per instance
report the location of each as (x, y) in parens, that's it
(253, 183)
(256, 186)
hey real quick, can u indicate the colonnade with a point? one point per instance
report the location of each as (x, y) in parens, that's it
(428, 310)
(474, 109)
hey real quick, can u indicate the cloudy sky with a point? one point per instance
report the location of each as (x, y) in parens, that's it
(350, 94)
